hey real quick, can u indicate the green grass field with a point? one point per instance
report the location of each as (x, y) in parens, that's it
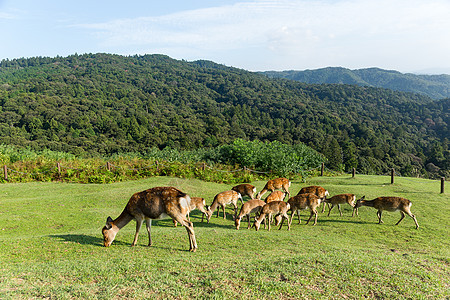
(51, 246)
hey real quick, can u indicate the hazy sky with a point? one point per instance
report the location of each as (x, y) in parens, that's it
(256, 35)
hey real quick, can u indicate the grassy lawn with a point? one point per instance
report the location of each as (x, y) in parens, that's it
(51, 246)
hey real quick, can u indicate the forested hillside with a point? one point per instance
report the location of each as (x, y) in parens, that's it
(434, 86)
(103, 104)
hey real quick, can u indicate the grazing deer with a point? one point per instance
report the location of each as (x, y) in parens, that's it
(196, 203)
(273, 208)
(154, 203)
(275, 196)
(303, 201)
(389, 204)
(275, 184)
(315, 189)
(245, 189)
(249, 207)
(342, 199)
(223, 199)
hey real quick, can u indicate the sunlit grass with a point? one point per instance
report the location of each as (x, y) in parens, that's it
(50, 246)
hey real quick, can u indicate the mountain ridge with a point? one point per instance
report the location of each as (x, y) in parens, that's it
(434, 86)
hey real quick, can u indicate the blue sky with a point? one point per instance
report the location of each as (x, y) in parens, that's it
(256, 35)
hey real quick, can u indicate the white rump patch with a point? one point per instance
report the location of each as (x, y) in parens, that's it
(185, 202)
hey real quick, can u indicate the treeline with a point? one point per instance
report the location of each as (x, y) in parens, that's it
(101, 104)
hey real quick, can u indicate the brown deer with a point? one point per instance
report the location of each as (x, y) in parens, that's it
(275, 184)
(315, 189)
(389, 204)
(303, 201)
(196, 203)
(245, 189)
(223, 199)
(275, 196)
(154, 203)
(249, 207)
(273, 208)
(342, 199)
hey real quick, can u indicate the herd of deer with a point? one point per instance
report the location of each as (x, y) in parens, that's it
(160, 202)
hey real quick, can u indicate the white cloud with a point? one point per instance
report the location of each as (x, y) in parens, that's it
(299, 34)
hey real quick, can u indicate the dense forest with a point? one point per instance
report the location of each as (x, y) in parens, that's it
(434, 86)
(103, 104)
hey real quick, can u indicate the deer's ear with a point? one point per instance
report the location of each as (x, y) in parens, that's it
(109, 223)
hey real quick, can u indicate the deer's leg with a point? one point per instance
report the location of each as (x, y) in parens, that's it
(248, 219)
(223, 210)
(414, 218)
(282, 221)
(148, 223)
(190, 230)
(355, 209)
(260, 194)
(285, 216)
(139, 222)
(313, 212)
(339, 207)
(270, 216)
(292, 214)
(332, 205)
(401, 218)
(379, 217)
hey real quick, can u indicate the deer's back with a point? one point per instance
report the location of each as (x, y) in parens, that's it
(154, 203)
(391, 203)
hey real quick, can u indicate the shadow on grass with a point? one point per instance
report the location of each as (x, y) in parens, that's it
(80, 239)
(90, 240)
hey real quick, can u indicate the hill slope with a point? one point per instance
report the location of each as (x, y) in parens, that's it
(434, 86)
(103, 104)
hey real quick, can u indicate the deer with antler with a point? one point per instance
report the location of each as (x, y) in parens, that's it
(154, 203)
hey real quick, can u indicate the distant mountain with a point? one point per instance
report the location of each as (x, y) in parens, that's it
(434, 86)
(103, 104)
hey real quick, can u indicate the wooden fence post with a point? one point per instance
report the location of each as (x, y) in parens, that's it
(392, 176)
(353, 172)
(157, 166)
(108, 166)
(58, 166)
(322, 169)
(5, 172)
(442, 185)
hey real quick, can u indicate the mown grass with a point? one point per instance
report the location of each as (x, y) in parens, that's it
(51, 247)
